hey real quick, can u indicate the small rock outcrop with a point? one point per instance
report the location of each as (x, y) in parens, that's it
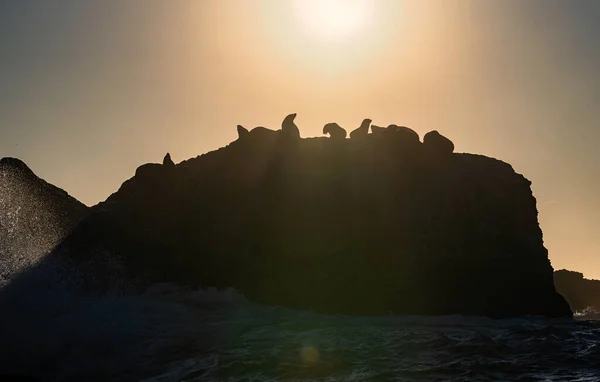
(362, 131)
(580, 293)
(335, 131)
(167, 161)
(437, 143)
(359, 230)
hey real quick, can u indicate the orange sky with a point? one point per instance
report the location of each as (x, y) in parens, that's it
(91, 90)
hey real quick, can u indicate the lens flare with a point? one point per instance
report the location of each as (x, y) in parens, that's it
(309, 355)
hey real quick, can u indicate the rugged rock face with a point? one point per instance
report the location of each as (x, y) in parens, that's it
(580, 293)
(35, 216)
(369, 226)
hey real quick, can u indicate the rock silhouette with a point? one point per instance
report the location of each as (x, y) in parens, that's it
(35, 216)
(362, 131)
(351, 228)
(335, 131)
(437, 143)
(580, 293)
(242, 132)
(167, 161)
(289, 128)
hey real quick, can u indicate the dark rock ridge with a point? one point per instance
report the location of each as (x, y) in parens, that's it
(35, 216)
(580, 293)
(365, 226)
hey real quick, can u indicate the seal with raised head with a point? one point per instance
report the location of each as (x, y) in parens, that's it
(335, 131)
(289, 128)
(362, 130)
(242, 131)
(167, 161)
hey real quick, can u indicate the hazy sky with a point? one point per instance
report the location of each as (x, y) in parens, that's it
(89, 90)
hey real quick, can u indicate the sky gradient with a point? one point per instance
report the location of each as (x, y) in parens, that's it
(90, 90)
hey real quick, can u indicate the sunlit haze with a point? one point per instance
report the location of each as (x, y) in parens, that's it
(90, 90)
(333, 20)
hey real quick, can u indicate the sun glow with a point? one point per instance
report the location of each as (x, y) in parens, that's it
(334, 20)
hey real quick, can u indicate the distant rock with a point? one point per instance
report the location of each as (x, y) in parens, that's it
(335, 131)
(438, 144)
(580, 293)
(351, 228)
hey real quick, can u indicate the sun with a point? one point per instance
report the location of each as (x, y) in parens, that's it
(334, 20)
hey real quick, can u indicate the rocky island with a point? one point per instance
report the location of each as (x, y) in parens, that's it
(379, 223)
(580, 292)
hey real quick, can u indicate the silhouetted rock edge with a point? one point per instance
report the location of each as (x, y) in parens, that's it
(365, 226)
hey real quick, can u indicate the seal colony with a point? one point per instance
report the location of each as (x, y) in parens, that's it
(433, 140)
(369, 223)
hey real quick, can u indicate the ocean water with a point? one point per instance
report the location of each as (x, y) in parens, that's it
(168, 333)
